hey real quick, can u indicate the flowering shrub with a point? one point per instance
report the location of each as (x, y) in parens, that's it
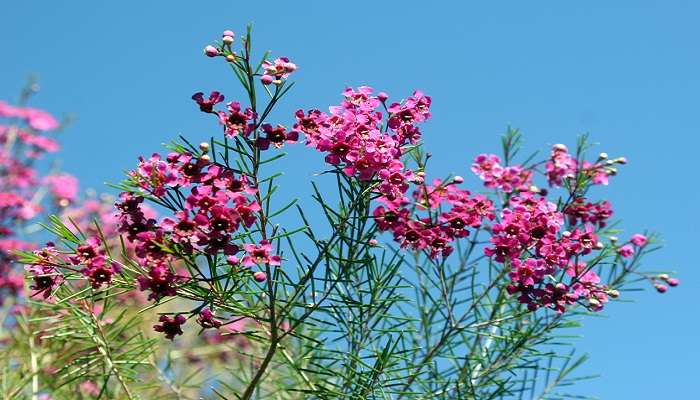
(420, 289)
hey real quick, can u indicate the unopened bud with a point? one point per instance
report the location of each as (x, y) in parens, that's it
(420, 173)
(621, 160)
(614, 239)
(458, 179)
(259, 276)
(560, 147)
(211, 51)
(599, 245)
(594, 302)
(204, 146)
(228, 32)
(227, 39)
(660, 288)
(602, 156)
(382, 96)
(266, 79)
(277, 81)
(534, 189)
(663, 276)
(673, 282)
(205, 158)
(231, 58)
(373, 242)
(613, 293)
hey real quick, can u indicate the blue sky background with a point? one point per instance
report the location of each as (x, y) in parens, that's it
(627, 72)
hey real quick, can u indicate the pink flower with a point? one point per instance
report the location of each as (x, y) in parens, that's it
(63, 187)
(276, 136)
(207, 105)
(638, 240)
(206, 319)
(236, 121)
(507, 179)
(560, 166)
(279, 68)
(171, 327)
(260, 254)
(154, 175)
(626, 251)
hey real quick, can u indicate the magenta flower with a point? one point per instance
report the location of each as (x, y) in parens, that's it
(206, 319)
(626, 251)
(171, 327)
(276, 136)
(63, 187)
(638, 240)
(207, 105)
(260, 254)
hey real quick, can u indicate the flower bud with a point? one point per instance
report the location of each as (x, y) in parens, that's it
(382, 96)
(266, 79)
(231, 58)
(232, 260)
(228, 32)
(594, 302)
(660, 288)
(534, 189)
(663, 276)
(614, 239)
(420, 173)
(621, 160)
(602, 156)
(613, 293)
(205, 158)
(211, 51)
(259, 276)
(560, 147)
(373, 242)
(204, 146)
(599, 245)
(227, 39)
(673, 282)
(458, 179)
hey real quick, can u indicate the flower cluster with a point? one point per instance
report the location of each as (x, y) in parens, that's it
(451, 212)
(496, 176)
(563, 166)
(355, 139)
(529, 240)
(210, 203)
(25, 139)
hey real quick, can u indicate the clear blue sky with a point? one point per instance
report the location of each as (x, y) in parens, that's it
(627, 72)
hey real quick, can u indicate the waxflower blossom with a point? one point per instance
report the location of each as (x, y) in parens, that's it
(153, 175)
(626, 251)
(278, 69)
(235, 121)
(276, 136)
(560, 166)
(638, 240)
(206, 319)
(207, 105)
(506, 178)
(260, 254)
(171, 327)
(63, 187)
